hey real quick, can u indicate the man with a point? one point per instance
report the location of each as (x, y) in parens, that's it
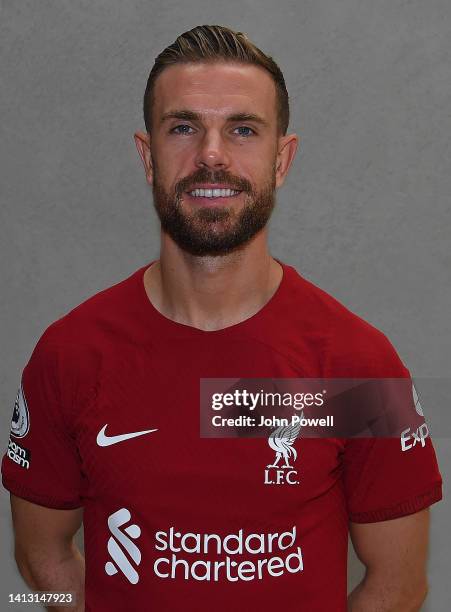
(106, 421)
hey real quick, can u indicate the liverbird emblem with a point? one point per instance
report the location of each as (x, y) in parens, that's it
(281, 440)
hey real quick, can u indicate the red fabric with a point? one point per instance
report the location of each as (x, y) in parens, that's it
(115, 360)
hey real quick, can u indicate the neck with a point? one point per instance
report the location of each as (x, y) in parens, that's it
(211, 293)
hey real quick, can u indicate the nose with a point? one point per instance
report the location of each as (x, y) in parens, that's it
(213, 152)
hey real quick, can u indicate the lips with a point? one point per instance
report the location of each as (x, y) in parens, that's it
(198, 197)
(211, 200)
(212, 186)
(212, 189)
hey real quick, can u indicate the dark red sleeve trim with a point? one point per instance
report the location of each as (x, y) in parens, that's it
(404, 508)
(38, 498)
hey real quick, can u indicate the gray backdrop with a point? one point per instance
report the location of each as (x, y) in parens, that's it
(364, 213)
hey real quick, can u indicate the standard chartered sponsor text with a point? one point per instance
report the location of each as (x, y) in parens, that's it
(239, 556)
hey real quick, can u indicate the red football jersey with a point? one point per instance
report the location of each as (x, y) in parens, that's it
(107, 417)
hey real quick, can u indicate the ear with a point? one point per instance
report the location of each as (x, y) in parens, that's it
(142, 141)
(287, 148)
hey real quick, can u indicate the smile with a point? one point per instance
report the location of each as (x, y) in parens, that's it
(213, 193)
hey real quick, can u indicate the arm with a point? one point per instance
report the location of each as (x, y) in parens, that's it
(45, 553)
(395, 555)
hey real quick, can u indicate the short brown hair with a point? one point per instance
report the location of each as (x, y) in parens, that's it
(209, 43)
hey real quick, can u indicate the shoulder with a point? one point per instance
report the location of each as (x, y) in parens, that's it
(75, 345)
(94, 318)
(69, 356)
(351, 345)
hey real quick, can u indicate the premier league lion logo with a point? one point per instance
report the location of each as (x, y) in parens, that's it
(20, 422)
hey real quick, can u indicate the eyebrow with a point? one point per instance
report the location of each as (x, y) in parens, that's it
(189, 115)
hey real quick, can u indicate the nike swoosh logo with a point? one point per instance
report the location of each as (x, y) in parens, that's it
(103, 440)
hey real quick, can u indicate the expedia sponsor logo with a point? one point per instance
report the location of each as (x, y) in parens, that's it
(20, 422)
(19, 454)
(417, 435)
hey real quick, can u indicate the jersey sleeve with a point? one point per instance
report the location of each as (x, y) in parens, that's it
(392, 476)
(42, 463)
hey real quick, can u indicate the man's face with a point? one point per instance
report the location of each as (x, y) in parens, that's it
(195, 144)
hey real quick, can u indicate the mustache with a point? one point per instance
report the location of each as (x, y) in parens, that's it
(219, 178)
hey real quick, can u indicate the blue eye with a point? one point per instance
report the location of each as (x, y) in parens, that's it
(180, 126)
(176, 129)
(244, 127)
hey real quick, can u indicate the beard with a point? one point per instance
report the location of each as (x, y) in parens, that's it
(218, 230)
